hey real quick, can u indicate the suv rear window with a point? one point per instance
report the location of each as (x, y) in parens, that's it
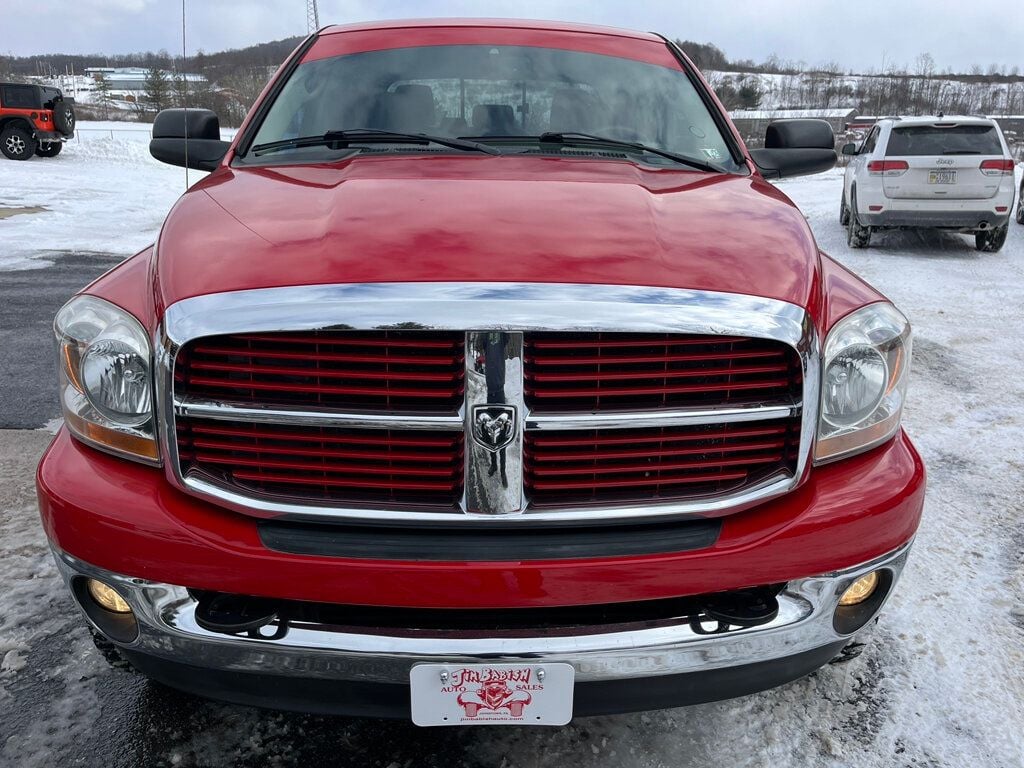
(19, 97)
(937, 140)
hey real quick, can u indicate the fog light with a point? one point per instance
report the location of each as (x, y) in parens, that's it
(107, 598)
(860, 590)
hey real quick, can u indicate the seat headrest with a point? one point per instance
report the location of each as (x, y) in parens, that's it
(494, 119)
(573, 109)
(409, 109)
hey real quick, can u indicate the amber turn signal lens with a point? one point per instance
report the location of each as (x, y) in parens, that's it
(107, 598)
(860, 590)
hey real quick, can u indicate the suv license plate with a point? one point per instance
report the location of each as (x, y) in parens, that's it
(491, 694)
(942, 177)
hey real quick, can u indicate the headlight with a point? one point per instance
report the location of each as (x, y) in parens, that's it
(105, 379)
(864, 381)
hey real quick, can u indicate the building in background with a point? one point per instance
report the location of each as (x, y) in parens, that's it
(129, 83)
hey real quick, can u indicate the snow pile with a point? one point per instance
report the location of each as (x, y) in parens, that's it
(104, 193)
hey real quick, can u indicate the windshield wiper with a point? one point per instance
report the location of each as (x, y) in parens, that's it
(346, 138)
(575, 137)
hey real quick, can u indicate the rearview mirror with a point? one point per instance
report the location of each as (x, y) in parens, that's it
(796, 148)
(849, 149)
(189, 138)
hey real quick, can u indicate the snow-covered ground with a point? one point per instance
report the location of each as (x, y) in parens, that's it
(941, 683)
(102, 193)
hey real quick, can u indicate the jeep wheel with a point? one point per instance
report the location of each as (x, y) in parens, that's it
(857, 235)
(991, 240)
(49, 148)
(64, 118)
(16, 143)
(844, 211)
(1020, 204)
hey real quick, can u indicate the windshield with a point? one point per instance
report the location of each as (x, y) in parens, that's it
(504, 95)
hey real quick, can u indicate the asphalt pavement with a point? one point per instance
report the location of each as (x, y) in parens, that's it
(28, 301)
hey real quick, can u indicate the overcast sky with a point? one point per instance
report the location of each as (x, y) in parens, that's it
(859, 34)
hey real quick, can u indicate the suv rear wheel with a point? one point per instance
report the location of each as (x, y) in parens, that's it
(1020, 204)
(49, 148)
(16, 143)
(991, 240)
(857, 235)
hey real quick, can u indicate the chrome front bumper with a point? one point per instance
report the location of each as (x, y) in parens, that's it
(168, 631)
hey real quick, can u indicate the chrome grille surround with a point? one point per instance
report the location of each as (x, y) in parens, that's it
(481, 310)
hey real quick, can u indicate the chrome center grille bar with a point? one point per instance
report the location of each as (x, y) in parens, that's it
(495, 416)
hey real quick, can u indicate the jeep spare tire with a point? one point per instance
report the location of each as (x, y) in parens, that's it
(17, 143)
(64, 117)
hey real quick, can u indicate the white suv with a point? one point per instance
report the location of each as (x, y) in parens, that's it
(951, 173)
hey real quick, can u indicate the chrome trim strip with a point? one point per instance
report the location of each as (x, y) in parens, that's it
(483, 308)
(209, 409)
(648, 419)
(494, 385)
(168, 629)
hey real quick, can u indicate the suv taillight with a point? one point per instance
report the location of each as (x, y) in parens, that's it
(997, 167)
(888, 167)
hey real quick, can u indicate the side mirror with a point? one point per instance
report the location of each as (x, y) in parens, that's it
(189, 138)
(849, 149)
(796, 148)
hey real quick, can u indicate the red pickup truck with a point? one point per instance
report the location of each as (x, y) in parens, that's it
(485, 379)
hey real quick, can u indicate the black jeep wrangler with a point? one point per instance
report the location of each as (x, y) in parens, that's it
(34, 119)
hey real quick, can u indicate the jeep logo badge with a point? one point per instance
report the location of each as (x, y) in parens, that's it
(494, 426)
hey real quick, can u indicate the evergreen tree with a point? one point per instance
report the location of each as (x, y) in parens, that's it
(157, 93)
(103, 95)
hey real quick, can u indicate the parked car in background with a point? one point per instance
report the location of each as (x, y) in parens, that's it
(34, 120)
(485, 379)
(952, 173)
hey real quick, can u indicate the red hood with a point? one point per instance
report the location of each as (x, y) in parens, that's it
(472, 218)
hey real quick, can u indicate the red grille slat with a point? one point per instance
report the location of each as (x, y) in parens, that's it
(328, 463)
(274, 370)
(656, 453)
(595, 372)
(655, 463)
(331, 357)
(398, 371)
(340, 482)
(610, 438)
(662, 390)
(327, 389)
(410, 439)
(631, 341)
(573, 485)
(671, 374)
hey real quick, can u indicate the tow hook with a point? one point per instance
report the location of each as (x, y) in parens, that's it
(237, 614)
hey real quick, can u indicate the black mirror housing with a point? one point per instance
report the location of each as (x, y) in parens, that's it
(796, 148)
(189, 138)
(849, 149)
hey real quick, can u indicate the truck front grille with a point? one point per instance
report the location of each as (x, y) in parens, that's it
(424, 403)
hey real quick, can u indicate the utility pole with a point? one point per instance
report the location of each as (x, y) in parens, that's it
(312, 17)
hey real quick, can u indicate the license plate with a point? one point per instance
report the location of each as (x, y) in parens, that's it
(491, 694)
(942, 177)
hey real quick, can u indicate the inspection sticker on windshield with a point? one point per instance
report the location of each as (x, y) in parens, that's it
(491, 694)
